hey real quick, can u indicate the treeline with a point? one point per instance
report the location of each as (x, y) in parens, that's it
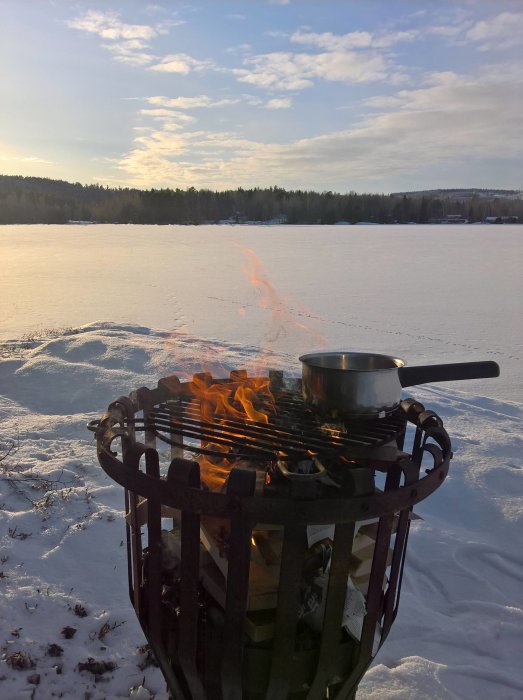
(28, 200)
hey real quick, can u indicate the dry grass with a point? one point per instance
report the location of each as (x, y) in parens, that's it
(29, 340)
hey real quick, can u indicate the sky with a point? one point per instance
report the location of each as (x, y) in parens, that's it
(379, 96)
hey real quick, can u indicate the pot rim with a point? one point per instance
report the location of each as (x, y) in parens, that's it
(315, 359)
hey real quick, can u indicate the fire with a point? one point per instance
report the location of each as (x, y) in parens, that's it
(233, 399)
(247, 396)
(240, 399)
(223, 403)
(214, 473)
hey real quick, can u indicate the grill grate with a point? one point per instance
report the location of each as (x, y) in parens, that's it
(293, 431)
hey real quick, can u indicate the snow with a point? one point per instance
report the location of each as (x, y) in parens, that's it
(458, 634)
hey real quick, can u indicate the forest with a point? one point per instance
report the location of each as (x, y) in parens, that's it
(31, 200)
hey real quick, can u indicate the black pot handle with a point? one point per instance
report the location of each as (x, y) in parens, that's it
(411, 376)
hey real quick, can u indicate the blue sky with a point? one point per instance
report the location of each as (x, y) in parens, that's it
(373, 96)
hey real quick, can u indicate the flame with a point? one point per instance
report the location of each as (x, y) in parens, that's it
(214, 473)
(247, 396)
(222, 403)
(233, 399)
(242, 398)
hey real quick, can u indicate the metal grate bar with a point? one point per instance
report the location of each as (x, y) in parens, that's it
(295, 425)
(293, 432)
(261, 435)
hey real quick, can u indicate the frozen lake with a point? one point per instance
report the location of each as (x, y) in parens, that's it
(424, 293)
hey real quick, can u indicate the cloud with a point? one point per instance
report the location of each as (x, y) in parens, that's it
(181, 63)
(240, 48)
(126, 52)
(498, 32)
(198, 102)
(295, 71)
(166, 114)
(165, 158)
(127, 42)
(445, 30)
(13, 160)
(443, 78)
(279, 103)
(501, 32)
(333, 42)
(108, 25)
(352, 40)
(277, 34)
(453, 122)
(152, 9)
(351, 58)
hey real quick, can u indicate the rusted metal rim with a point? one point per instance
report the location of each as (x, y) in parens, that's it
(275, 510)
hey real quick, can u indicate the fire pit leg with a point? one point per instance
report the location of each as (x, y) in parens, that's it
(411, 471)
(379, 563)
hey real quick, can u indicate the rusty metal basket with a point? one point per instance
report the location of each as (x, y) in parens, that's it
(201, 646)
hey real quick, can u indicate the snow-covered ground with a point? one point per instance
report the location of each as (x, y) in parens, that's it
(459, 632)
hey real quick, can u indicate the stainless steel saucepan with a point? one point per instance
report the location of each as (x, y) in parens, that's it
(368, 384)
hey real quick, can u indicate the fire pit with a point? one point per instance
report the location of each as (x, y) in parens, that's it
(266, 541)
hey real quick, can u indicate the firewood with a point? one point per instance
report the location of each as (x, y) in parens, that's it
(142, 512)
(361, 562)
(262, 592)
(259, 625)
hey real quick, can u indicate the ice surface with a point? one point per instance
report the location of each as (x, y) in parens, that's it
(423, 293)
(458, 634)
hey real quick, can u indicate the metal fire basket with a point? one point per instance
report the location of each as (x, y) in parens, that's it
(289, 477)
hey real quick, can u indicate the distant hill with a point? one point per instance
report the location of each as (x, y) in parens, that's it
(33, 200)
(465, 193)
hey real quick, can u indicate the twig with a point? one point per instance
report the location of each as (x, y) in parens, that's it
(12, 448)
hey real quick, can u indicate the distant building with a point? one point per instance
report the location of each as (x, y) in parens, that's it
(455, 219)
(450, 219)
(502, 220)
